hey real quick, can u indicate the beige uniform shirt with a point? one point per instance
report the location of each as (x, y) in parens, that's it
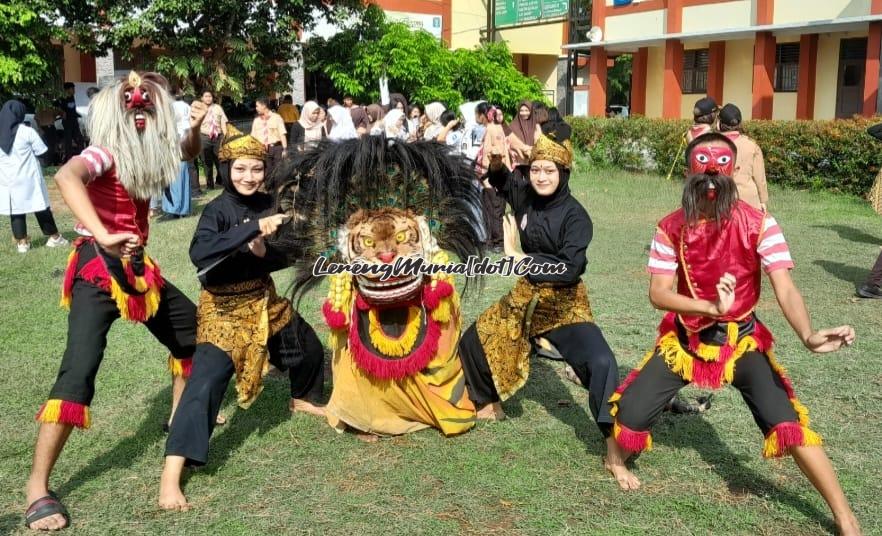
(750, 172)
(215, 123)
(269, 130)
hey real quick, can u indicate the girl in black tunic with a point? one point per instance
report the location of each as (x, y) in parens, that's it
(242, 324)
(548, 314)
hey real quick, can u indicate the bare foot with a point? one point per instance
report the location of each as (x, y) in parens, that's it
(614, 462)
(53, 522)
(491, 412)
(366, 437)
(848, 526)
(297, 405)
(172, 499)
(220, 420)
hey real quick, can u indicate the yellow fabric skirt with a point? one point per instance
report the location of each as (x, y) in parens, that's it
(434, 397)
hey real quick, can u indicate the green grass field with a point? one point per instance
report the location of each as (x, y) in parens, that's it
(537, 473)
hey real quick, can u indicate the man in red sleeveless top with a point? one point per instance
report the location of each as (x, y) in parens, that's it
(706, 263)
(135, 154)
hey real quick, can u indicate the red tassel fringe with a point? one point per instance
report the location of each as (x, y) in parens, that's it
(394, 369)
(187, 366)
(334, 319)
(70, 413)
(631, 440)
(432, 296)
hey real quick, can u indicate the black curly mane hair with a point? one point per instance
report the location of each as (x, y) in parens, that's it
(325, 184)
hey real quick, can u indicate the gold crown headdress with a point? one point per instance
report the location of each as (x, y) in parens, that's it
(239, 145)
(548, 149)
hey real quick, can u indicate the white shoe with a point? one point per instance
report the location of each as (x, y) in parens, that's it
(23, 247)
(57, 242)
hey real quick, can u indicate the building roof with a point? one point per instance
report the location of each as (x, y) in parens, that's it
(819, 26)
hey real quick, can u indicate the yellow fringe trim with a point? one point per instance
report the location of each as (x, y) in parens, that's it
(151, 300)
(340, 292)
(52, 413)
(801, 411)
(680, 361)
(175, 366)
(614, 399)
(809, 439)
(65, 300)
(395, 347)
(617, 430)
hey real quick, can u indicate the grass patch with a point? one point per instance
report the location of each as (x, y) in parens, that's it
(538, 472)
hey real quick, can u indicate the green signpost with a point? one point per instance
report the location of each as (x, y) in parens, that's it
(516, 12)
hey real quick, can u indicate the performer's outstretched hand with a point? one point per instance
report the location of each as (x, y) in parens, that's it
(830, 340)
(271, 224)
(119, 245)
(198, 111)
(725, 294)
(511, 241)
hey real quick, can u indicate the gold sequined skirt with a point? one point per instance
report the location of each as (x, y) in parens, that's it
(239, 319)
(507, 327)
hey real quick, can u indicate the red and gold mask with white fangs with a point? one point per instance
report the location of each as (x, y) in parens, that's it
(137, 99)
(712, 160)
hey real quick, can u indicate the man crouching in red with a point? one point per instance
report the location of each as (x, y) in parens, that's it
(715, 247)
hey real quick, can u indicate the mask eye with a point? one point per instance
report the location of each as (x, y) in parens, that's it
(368, 242)
(401, 237)
(146, 96)
(702, 158)
(723, 160)
(128, 96)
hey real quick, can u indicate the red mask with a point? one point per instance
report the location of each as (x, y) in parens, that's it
(709, 160)
(137, 99)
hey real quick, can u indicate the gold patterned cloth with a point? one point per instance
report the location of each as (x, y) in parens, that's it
(506, 328)
(239, 319)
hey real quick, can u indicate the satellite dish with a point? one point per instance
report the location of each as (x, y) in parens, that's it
(595, 34)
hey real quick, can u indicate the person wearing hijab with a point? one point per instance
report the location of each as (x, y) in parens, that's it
(433, 120)
(525, 130)
(342, 128)
(22, 186)
(547, 312)
(360, 120)
(309, 129)
(415, 119)
(242, 324)
(393, 125)
(375, 115)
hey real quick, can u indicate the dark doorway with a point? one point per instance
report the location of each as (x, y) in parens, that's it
(850, 82)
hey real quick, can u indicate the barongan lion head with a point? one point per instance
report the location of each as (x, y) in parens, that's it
(382, 237)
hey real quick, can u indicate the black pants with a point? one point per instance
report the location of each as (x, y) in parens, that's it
(92, 312)
(209, 159)
(875, 277)
(296, 348)
(193, 171)
(274, 155)
(494, 211)
(50, 138)
(72, 136)
(761, 388)
(44, 219)
(582, 346)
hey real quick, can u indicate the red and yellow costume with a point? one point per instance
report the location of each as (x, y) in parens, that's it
(708, 351)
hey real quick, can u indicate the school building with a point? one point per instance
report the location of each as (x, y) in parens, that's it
(774, 59)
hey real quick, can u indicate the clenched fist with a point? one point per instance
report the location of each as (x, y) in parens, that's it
(198, 111)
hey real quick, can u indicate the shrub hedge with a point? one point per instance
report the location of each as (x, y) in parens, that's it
(832, 155)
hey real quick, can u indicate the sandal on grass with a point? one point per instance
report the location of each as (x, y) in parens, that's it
(45, 507)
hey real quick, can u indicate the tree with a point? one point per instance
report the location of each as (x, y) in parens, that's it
(417, 65)
(26, 66)
(233, 46)
(619, 80)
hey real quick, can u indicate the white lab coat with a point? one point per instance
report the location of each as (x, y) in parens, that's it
(22, 188)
